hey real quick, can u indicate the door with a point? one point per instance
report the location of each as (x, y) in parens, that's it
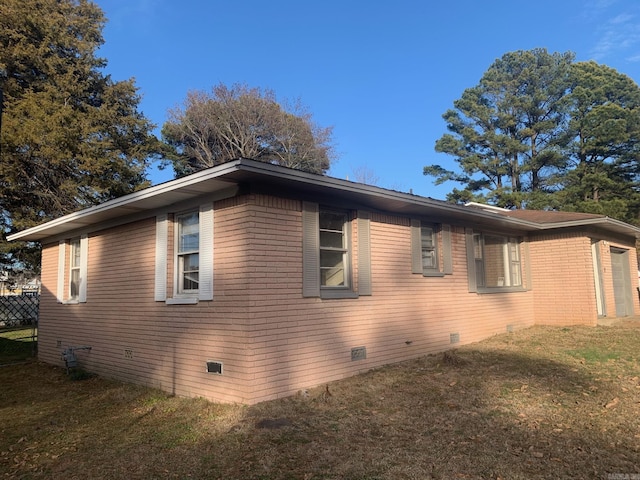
(621, 282)
(597, 276)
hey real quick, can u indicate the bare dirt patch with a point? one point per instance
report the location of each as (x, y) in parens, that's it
(538, 403)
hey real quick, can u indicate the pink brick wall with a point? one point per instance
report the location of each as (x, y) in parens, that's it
(563, 278)
(271, 340)
(301, 342)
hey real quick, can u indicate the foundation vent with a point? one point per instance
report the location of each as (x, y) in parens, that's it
(454, 338)
(358, 353)
(214, 367)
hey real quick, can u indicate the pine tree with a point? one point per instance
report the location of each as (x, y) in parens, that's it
(71, 136)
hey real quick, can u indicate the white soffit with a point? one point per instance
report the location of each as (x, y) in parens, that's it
(158, 196)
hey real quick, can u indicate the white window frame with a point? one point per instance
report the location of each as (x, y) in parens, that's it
(344, 249)
(181, 255)
(74, 269)
(76, 263)
(205, 252)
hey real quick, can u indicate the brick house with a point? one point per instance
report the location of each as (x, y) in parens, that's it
(247, 281)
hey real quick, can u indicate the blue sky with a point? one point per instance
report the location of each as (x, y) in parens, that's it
(381, 73)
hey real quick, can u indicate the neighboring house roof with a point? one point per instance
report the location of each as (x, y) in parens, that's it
(249, 175)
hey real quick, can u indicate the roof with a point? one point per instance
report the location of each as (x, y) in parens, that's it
(546, 217)
(227, 179)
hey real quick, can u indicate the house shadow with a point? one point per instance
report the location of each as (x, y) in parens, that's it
(17, 349)
(483, 414)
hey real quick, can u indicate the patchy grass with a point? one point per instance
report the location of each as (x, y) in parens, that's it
(16, 345)
(538, 403)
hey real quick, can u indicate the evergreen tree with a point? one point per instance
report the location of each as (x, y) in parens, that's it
(542, 131)
(71, 136)
(604, 143)
(505, 133)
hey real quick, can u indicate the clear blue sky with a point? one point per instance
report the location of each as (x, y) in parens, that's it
(381, 73)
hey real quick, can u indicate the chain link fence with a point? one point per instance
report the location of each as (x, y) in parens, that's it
(19, 310)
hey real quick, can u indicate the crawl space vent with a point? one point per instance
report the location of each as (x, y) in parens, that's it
(358, 353)
(214, 367)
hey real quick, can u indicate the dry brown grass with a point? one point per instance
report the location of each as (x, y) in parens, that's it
(539, 403)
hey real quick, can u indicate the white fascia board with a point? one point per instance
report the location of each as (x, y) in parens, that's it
(125, 204)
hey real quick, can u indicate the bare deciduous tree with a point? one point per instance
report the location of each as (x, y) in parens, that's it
(242, 122)
(364, 174)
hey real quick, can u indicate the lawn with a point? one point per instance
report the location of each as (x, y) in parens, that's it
(17, 344)
(537, 403)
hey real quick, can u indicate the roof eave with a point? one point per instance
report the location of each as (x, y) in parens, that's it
(225, 176)
(607, 223)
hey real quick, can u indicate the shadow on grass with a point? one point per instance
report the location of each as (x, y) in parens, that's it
(16, 346)
(493, 415)
(490, 414)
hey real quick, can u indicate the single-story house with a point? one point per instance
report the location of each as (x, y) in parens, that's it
(248, 281)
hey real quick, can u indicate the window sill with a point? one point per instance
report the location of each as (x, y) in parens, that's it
(432, 274)
(182, 301)
(501, 290)
(334, 293)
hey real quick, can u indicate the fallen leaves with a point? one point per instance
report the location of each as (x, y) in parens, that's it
(612, 403)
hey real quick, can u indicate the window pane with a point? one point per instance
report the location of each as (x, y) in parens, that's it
(429, 257)
(495, 266)
(332, 221)
(189, 232)
(75, 253)
(427, 237)
(188, 241)
(190, 266)
(331, 239)
(479, 272)
(191, 262)
(477, 245)
(332, 268)
(515, 274)
(190, 281)
(74, 283)
(514, 254)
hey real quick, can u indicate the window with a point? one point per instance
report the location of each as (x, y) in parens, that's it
(187, 253)
(494, 262)
(429, 250)
(328, 271)
(72, 270)
(334, 252)
(191, 256)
